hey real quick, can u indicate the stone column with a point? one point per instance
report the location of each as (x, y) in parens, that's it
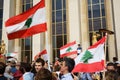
(84, 28)
(110, 26)
(73, 18)
(17, 47)
(6, 15)
(116, 21)
(48, 42)
(8, 11)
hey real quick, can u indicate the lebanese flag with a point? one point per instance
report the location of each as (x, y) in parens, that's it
(92, 59)
(69, 50)
(28, 23)
(43, 54)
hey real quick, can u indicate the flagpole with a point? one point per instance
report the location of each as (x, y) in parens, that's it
(47, 33)
(105, 55)
(48, 49)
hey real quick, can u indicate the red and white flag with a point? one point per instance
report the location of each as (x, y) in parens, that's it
(92, 59)
(69, 50)
(28, 23)
(43, 54)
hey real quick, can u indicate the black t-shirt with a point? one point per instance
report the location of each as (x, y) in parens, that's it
(3, 78)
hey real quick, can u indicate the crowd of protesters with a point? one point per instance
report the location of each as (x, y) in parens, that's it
(59, 70)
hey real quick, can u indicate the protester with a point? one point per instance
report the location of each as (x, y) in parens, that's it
(38, 64)
(86, 76)
(13, 67)
(79, 49)
(115, 60)
(110, 66)
(118, 68)
(111, 75)
(18, 73)
(28, 75)
(56, 71)
(66, 68)
(7, 72)
(2, 70)
(44, 74)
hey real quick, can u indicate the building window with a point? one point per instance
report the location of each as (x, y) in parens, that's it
(27, 42)
(59, 32)
(97, 18)
(1, 17)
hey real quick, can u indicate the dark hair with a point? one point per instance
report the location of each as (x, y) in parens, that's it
(27, 67)
(110, 64)
(33, 69)
(115, 59)
(2, 68)
(41, 61)
(79, 45)
(43, 74)
(70, 63)
(111, 75)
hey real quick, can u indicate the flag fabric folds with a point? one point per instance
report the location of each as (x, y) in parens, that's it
(28, 23)
(43, 54)
(92, 59)
(69, 50)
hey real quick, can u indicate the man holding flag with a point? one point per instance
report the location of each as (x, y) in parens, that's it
(66, 68)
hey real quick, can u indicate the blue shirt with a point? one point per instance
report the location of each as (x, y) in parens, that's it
(67, 76)
(28, 76)
(13, 69)
(85, 76)
(79, 50)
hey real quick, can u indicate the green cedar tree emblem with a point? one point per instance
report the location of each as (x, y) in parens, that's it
(69, 49)
(86, 56)
(28, 22)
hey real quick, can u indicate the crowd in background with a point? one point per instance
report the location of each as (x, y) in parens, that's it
(59, 70)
